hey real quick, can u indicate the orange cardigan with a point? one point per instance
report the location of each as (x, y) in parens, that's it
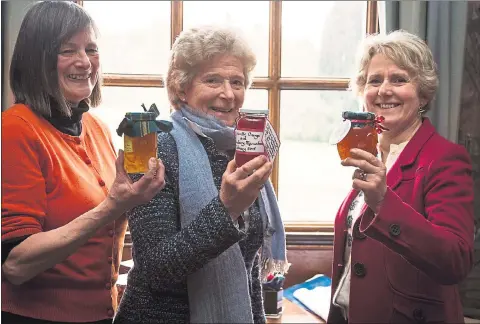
(48, 179)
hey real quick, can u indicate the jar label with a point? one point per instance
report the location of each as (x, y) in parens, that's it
(128, 146)
(271, 141)
(249, 141)
(340, 132)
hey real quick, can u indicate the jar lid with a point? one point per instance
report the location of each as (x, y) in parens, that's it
(340, 132)
(253, 111)
(358, 115)
(135, 116)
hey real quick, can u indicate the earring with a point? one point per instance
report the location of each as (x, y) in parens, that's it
(421, 111)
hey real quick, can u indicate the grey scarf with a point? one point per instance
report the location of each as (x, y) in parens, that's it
(218, 292)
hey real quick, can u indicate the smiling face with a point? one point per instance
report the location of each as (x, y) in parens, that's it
(390, 92)
(77, 66)
(218, 88)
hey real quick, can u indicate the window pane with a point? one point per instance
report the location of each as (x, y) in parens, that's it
(119, 100)
(251, 17)
(134, 35)
(312, 183)
(256, 99)
(319, 38)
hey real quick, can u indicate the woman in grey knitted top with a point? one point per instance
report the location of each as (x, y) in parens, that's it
(199, 245)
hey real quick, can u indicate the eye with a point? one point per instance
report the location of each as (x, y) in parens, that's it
(213, 81)
(92, 50)
(400, 79)
(238, 83)
(67, 52)
(374, 81)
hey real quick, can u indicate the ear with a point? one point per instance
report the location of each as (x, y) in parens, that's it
(182, 95)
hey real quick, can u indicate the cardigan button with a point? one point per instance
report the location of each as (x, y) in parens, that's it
(111, 233)
(101, 182)
(108, 286)
(359, 269)
(110, 260)
(110, 312)
(87, 161)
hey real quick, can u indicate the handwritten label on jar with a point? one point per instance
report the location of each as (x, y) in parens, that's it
(127, 145)
(270, 141)
(248, 141)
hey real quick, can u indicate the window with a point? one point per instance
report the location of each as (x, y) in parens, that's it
(305, 52)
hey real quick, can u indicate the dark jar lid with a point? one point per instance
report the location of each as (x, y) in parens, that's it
(358, 115)
(137, 116)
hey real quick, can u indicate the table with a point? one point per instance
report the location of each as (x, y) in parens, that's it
(292, 313)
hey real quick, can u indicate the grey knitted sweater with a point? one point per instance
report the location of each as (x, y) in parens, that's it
(164, 254)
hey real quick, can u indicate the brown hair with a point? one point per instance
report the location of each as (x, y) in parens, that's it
(33, 69)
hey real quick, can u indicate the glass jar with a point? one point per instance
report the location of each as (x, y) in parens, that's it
(140, 144)
(249, 135)
(358, 130)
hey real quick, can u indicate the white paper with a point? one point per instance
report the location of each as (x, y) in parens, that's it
(249, 141)
(317, 299)
(270, 141)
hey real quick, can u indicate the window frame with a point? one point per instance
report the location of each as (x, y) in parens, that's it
(273, 83)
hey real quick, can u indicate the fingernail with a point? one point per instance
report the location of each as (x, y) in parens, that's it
(152, 163)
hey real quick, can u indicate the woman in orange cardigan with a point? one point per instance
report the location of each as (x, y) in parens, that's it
(62, 201)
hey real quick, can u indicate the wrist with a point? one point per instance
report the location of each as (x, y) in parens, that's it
(112, 208)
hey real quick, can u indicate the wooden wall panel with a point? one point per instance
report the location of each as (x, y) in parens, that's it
(307, 262)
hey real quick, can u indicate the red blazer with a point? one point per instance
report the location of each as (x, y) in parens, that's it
(408, 259)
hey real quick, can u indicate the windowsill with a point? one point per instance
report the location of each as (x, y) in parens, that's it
(313, 239)
(308, 227)
(299, 235)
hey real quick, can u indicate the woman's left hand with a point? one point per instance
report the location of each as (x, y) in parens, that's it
(370, 177)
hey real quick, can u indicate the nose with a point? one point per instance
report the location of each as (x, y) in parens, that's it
(228, 91)
(385, 88)
(83, 60)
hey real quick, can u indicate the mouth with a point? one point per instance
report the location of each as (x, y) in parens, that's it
(76, 77)
(221, 110)
(387, 106)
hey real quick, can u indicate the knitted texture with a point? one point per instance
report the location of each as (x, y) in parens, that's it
(164, 255)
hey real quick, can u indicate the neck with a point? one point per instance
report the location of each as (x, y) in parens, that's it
(73, 104)
(388, 138)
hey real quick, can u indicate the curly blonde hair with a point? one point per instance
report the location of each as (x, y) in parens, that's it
(196, 46)
(408, 52)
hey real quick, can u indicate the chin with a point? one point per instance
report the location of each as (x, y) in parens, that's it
(228, 122)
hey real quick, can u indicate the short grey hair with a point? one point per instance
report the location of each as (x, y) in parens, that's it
(196, 46)
(408, 52)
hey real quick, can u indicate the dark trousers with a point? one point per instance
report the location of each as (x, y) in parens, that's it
(9, 318)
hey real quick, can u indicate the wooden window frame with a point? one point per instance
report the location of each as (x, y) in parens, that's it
(273, 83)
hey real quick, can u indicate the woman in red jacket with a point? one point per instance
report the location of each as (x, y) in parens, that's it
(404, 234)
(62, 201)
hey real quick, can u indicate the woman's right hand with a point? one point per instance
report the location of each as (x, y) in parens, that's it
(126, 194)
(241, 186)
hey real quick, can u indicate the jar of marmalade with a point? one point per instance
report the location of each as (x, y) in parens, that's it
(249, 135)
(140, 141)
(358, 130)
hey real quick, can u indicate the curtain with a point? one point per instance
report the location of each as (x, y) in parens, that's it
(442, 24)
